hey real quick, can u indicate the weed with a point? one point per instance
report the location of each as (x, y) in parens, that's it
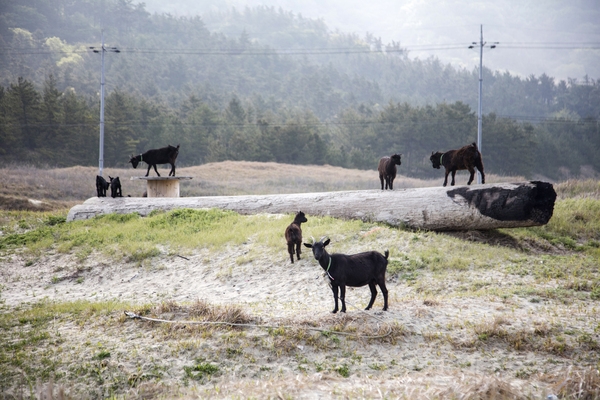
(200, 370)
(343, 370)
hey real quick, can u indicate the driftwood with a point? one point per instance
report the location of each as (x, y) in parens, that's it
(479, 207)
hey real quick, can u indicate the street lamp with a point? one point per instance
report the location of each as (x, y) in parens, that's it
(102, 50)
(479, 116)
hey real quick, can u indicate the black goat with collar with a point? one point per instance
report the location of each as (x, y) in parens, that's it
(354, 270)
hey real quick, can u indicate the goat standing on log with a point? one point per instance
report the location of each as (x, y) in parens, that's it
(101, 186)
(467, 157)
(165, 155)
(293, 235)
(387, 170)
(115, 187)
(355, 270)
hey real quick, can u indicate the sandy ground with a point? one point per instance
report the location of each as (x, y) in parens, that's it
(433, 358)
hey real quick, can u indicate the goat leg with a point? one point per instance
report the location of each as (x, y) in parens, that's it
(472, 172)
(334, 288)
(373, 295)
(343, 297)
(298, 245)
(291, 251)
(385, 295)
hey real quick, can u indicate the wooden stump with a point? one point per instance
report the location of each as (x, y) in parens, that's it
(489, 206)
(162, 186)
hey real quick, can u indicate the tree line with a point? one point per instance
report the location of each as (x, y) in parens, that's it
(260, 55)
(50, 127)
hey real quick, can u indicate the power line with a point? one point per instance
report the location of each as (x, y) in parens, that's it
(519, 119)
(316, 51)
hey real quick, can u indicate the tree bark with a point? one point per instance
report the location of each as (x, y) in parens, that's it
(478, 207)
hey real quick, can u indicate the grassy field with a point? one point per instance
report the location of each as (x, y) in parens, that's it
(502, 314)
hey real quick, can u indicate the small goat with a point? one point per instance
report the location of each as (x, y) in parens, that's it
(387, 170)
(101, 186)
(164, 155)
(115, 187)
(293, 235)
(467, 157)
(355, 270)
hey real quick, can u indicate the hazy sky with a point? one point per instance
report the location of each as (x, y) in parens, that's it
(536, 36)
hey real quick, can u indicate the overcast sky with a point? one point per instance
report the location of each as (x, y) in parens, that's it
(536, 36)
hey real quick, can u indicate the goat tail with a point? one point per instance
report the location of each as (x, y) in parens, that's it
(387, 254)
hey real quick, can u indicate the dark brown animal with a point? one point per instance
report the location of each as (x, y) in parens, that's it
(467, 157)
(293, 235)
(387, 170)
(355, 270)
(101, 186)
(115, 187)
(164, 155)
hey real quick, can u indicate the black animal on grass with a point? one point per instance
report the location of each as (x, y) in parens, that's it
(164, 155)
(467, 157)
(293, 235)
(115, 187)
(101, 186)
(387, 170)
(354, 270)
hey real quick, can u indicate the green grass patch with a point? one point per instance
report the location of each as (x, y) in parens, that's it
(30, 347)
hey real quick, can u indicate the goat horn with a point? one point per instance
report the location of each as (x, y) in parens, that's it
(313, 239)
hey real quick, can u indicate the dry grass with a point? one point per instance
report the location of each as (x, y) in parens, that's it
(29, 188)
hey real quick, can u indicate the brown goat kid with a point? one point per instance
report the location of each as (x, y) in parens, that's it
(387, 170)
(293, 235)
(467, 157)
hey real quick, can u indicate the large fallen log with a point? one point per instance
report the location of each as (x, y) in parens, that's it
(478, 207)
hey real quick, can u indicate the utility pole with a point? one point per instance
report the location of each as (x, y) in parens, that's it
(479, 109)
(102, 50)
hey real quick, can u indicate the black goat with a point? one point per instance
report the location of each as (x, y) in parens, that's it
(293, 235)
(101, 186)
(115, 187)
(355, 270)
(387, 170)
(164, 155)
(467, 157)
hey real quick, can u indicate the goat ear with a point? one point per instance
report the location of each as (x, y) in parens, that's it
(325, 243)
(308, 245)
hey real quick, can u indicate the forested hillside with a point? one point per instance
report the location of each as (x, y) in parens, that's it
(267, 85)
